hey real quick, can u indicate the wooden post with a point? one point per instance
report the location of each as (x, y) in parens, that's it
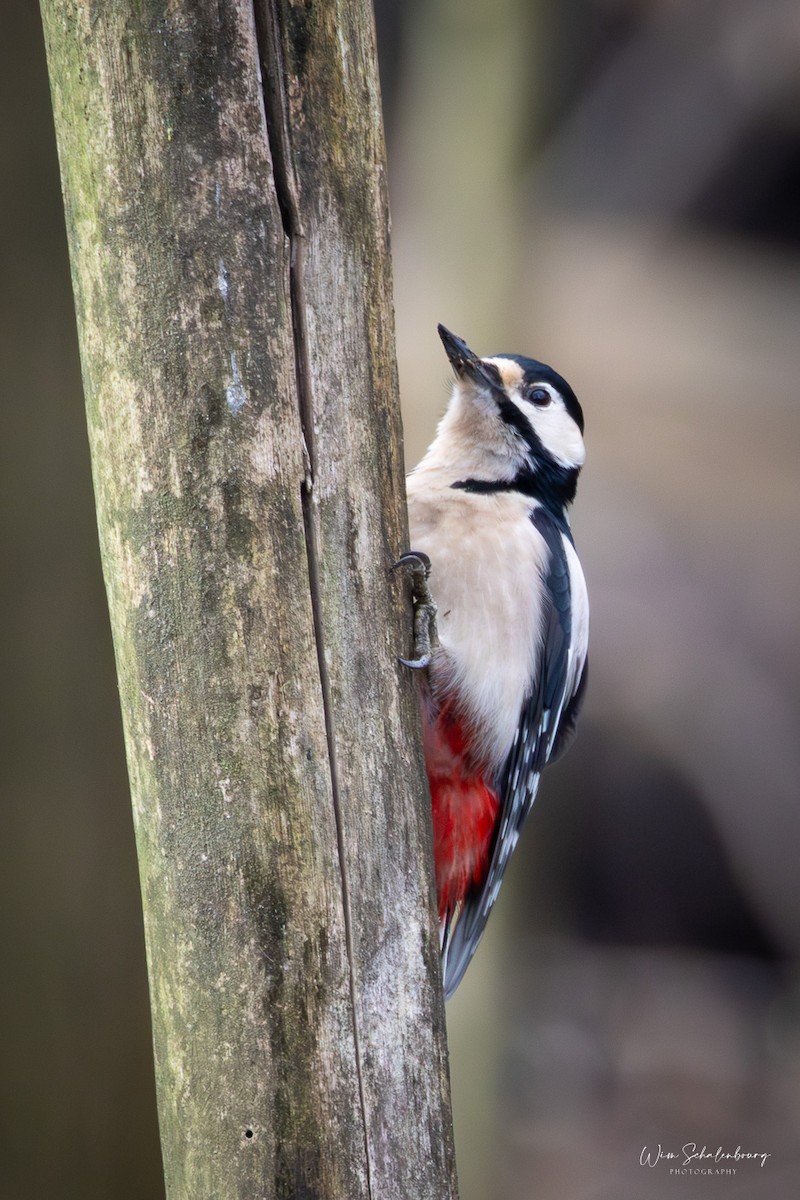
(224, 184)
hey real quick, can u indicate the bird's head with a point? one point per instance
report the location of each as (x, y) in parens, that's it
(514, 419)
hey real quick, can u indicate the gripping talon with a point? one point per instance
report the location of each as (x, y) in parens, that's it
(415, 559)
(425, 637)
(416, 664)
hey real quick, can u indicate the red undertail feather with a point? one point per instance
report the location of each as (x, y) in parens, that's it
(464, 811)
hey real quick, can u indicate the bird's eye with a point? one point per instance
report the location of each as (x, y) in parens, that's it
(539, 396)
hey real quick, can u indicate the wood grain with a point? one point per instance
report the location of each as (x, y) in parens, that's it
(230, 256)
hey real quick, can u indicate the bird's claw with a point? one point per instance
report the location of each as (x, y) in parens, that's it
(420, 564)
(425, 637)
(416, 664)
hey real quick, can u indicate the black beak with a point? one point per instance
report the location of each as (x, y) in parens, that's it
(466, 364)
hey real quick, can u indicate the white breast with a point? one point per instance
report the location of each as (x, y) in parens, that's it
(487, 558)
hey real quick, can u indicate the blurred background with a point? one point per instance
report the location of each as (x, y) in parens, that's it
(612, 186)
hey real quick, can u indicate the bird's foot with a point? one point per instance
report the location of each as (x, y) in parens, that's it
(425, 636)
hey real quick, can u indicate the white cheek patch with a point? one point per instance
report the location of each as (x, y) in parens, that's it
(560, 436)
(556, 430)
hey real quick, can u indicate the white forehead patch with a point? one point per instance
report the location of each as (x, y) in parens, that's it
(511, 373)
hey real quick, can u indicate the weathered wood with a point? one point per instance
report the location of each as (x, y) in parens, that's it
(231, 269)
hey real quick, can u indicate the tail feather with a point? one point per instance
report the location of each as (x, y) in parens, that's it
(461, 931)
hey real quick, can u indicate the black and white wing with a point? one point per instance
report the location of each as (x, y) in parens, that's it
(546, 728)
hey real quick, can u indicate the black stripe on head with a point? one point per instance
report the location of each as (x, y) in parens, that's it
(538, 372)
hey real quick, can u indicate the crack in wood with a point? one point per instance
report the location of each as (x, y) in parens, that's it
(268, 35)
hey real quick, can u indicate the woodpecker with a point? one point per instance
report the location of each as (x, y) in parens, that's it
(504, 681)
